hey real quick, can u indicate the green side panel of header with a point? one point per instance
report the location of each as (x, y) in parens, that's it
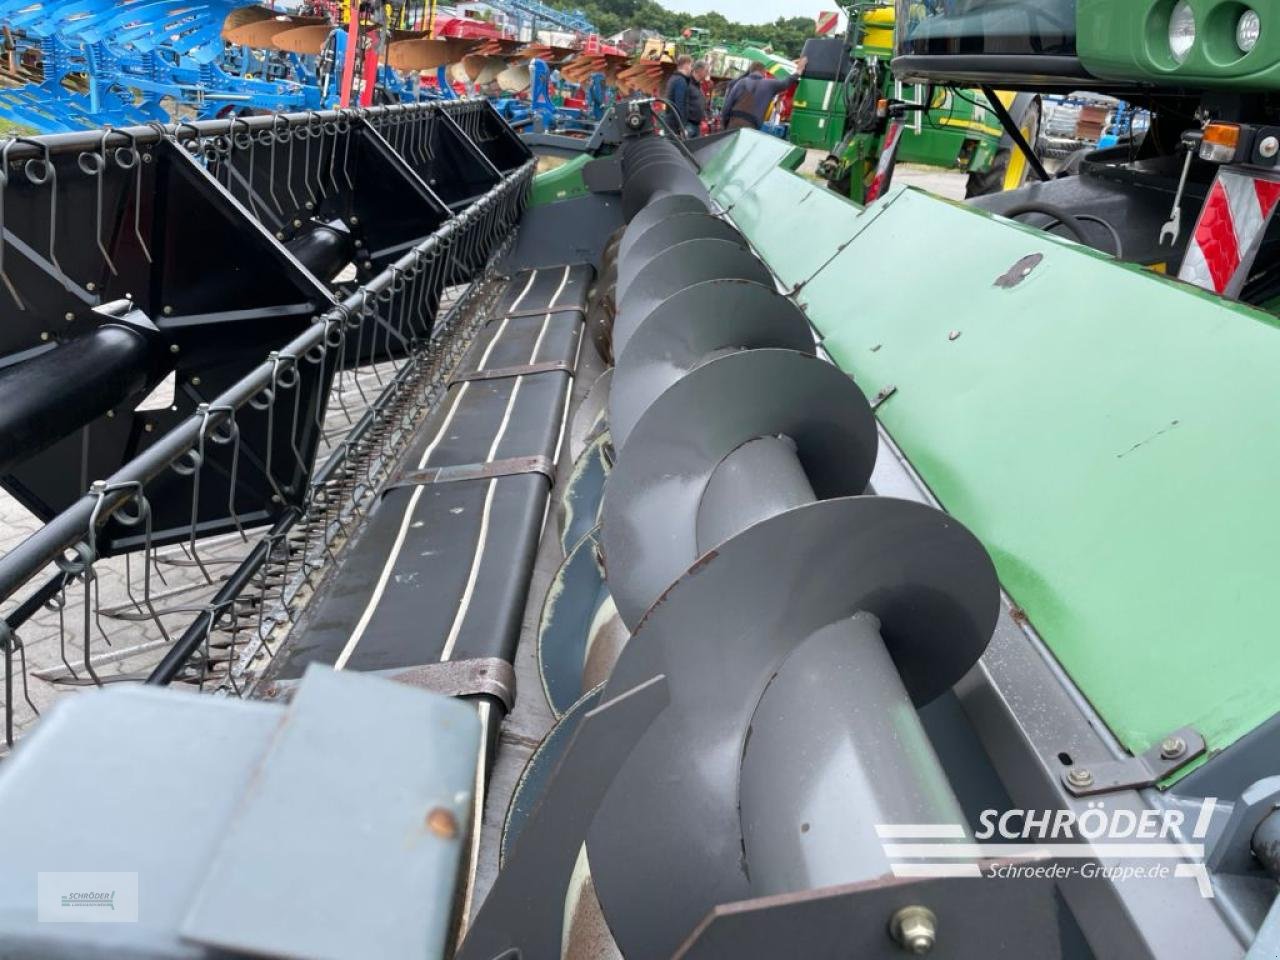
(1112, 436)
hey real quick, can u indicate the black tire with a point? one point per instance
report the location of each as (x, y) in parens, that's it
(993, 180)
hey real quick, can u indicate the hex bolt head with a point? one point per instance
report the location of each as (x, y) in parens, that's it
(44, 335)
(168, 311)
(915, 928)
(68, 316)
(1080, 777)
(1171, 748)
(174, 348)
(1269, 147)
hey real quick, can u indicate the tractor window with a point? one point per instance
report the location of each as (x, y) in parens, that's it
(1036, 28)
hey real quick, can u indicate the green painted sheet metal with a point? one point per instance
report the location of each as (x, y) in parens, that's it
(560, 183)
(1112, 436)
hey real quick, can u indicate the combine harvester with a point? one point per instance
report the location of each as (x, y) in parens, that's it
(878, 580)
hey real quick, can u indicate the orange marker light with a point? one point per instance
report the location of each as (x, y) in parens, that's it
(1221, 141)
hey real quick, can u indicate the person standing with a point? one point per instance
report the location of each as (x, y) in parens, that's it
(696, 101)
(749, 98)
(677, 92)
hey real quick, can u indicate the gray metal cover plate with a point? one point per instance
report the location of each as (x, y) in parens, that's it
(337, 849)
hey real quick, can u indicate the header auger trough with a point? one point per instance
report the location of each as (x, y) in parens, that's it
(665, 558)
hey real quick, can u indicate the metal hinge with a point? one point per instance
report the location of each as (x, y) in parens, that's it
(1132, 773)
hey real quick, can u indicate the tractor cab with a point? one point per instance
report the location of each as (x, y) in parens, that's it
(989, 41)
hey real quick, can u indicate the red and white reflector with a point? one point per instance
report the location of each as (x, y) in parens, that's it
(827, 21)
(1229, 232)
(888, 159)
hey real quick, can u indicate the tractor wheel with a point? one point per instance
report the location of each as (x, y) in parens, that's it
(1009, 170)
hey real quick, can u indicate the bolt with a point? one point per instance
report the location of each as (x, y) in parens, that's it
(1080, 777)
(91, 286)
(310, 205)
(111, 413)
(297, 223)
(354, 221)
(279, 234)
(1171, 748)
(44, 335)
(1269, 147)
(168, 311)
(442, 823)
(68, 316)
(915, 928)
(953, 335)
(174, 348)
(195, 381)
(150, 428)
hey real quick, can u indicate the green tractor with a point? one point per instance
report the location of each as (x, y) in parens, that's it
(843, 101)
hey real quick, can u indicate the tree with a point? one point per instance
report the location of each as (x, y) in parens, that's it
(785, 36)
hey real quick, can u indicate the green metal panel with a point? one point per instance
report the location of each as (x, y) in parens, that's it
(816, 130)
(560, 183)
(1129, 40)
(1111, 435)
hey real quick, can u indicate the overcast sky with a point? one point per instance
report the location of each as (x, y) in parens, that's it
(752, 11)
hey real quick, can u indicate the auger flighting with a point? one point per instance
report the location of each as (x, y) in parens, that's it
(759, 721)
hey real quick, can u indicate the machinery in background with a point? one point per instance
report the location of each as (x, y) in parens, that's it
(849, 101)
(1083, 121)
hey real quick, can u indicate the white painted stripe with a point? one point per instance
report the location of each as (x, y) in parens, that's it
(477, 818)
(559, 290)
(1246, 209)
(488, 351)
(1195, 268)
(936, 870)
(464, 603)
(384, 577)
(1022, 851)
(1201, 829)
(920, 831)
(515, 304)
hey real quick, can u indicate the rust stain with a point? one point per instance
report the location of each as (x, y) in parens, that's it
(442, 823)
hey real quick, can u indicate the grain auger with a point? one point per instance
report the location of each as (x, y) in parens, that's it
(748, 716)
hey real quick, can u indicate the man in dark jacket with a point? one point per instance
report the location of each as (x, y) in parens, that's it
(695, 110)
(749, 98)
(677, 92)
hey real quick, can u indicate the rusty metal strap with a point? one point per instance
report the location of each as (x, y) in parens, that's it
(490, 469)
(487, 676)
(544, 311)
(523, 370)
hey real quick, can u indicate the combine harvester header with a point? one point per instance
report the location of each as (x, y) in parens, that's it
(669, 558)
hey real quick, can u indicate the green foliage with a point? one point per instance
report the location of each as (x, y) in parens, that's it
(785, 36)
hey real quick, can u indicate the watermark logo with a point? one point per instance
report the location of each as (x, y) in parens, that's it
(87, 897)
(1117, 845)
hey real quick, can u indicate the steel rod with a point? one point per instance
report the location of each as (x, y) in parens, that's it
(71, 526)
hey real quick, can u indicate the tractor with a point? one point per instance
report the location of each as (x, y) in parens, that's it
(842, 101)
